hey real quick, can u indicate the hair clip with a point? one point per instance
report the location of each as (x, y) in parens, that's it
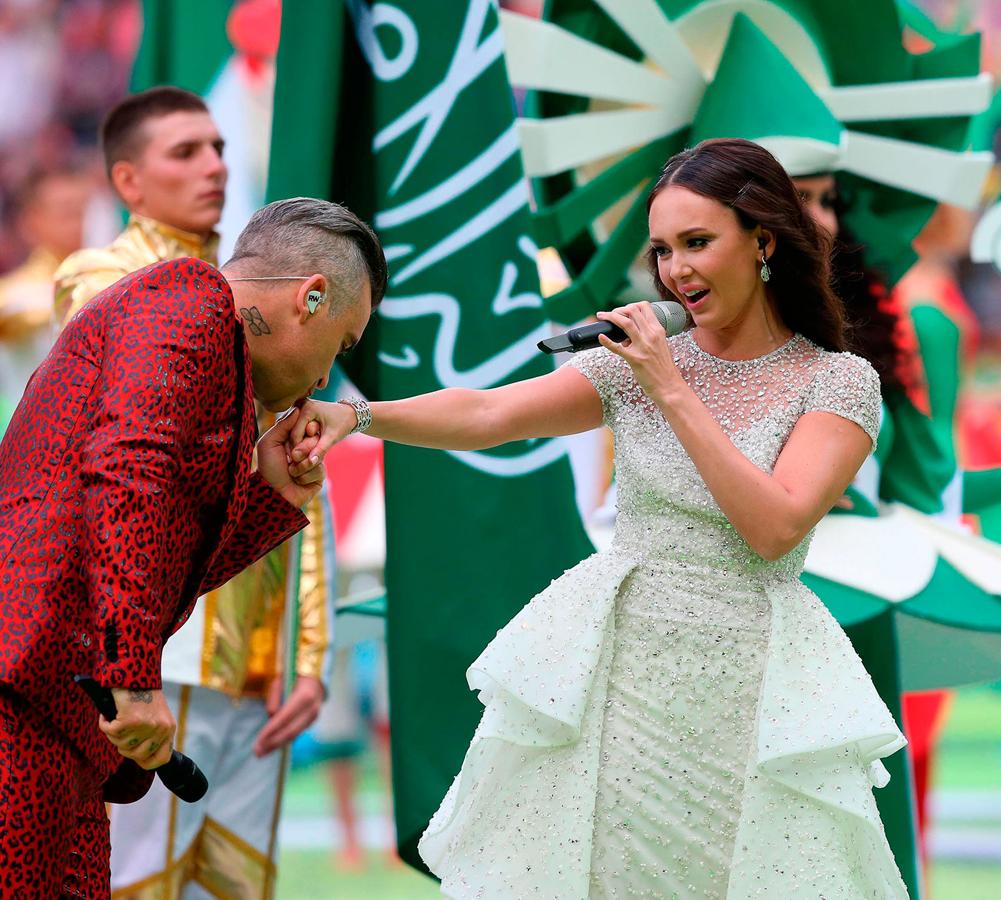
(740, 193)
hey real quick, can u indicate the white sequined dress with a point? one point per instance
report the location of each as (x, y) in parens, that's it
(677, 717)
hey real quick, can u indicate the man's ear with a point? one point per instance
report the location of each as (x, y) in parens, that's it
(126, 183)
(312, 296)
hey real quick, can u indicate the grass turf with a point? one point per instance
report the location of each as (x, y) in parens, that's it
(969, 759)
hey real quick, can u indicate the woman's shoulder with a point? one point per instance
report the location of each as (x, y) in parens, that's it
(842, 362)
(596, 359)
(842, 372)
(845, 384)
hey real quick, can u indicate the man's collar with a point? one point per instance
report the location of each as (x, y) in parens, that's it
(188, 243)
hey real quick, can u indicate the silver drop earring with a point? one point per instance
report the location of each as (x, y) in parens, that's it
(766, 273)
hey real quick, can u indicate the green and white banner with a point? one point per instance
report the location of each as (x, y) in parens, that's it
(403, 111)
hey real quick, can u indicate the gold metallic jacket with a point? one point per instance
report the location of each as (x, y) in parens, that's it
(22, 291)
(143, 242)
(242, 642)
(25, 321)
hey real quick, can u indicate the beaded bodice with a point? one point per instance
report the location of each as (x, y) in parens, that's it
(665, 510)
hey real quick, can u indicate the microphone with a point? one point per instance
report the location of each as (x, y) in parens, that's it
(669, 313)
(180, 775)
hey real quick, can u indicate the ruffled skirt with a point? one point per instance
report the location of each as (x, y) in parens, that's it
(659, 730)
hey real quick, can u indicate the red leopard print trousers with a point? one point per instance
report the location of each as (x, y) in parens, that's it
(54, 836)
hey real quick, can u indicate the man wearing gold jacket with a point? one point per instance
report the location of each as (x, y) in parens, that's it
(223, 670)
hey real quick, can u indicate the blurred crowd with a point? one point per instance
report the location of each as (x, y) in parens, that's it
(62, 64)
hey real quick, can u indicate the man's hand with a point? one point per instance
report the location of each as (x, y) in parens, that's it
(335, 420)
(273, 463)
(291, 718)
(143, 731)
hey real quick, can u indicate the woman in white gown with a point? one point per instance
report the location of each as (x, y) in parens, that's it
(678, 716)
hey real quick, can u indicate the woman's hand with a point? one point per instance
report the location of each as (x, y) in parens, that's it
(645, 349)
(306, 448)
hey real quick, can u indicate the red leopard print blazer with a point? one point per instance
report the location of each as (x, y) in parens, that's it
(126, 491)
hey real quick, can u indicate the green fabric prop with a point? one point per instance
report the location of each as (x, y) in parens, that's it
(417, 135)
(916, 468)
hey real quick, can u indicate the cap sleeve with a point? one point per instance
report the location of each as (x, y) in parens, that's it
(847, 386)
(605, 372)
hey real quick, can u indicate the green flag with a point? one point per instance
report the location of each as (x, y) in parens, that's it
(403, 111)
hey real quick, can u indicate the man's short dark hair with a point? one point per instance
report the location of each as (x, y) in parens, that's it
(304, 235)
(122, 132)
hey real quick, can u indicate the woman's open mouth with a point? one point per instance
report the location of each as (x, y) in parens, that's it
(694, 298)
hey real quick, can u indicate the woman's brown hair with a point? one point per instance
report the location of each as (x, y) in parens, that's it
(748, 179)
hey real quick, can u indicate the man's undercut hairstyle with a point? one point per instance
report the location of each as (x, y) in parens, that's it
(122, 134)
(304, 235)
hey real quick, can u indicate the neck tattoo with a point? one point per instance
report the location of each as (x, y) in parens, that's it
(255, 321)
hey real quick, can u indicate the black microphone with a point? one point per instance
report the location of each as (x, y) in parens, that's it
(670, 314)
(180, 775)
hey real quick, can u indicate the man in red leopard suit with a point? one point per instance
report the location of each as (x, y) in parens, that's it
(126, 491)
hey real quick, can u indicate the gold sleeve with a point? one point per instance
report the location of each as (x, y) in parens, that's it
(314, 653)
(83, 275)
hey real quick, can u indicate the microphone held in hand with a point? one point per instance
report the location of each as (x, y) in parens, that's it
(180, 775)
(670, 314)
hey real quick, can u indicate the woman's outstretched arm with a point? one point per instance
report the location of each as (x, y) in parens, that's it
(562, 402)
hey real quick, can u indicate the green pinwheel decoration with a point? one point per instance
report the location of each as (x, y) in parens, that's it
(617, 86)
(941, 587)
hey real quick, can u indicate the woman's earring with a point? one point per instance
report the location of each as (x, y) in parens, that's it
(766, 273)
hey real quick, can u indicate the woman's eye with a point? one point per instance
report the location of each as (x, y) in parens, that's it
(661, 251)
(696, 243)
